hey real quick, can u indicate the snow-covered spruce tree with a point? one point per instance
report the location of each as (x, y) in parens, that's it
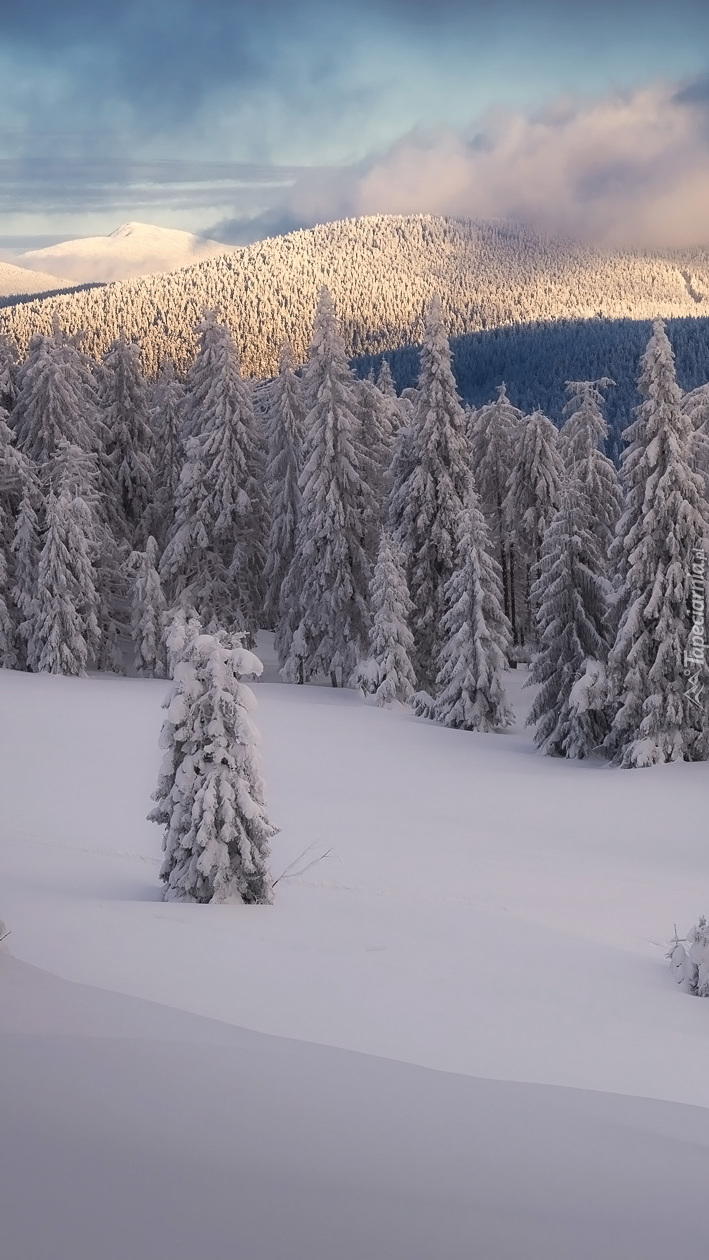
(215, 556)
(15, 468)
(167, 455)
(126, 415)
(469, 691)
(661, 547)
(695, 405)
(206, 365)
(401, 469)
(375, 442)
(8, 640)
(426, 505)
(398, 410)
(689, 959)
(385, 380)
(580, 444)
(56, 399)
(329, 576)
(571, 597)
(9, 356)
(284, 419)
(64, 633)
(492, 435)
(387, 673)
(18, 476)
(532, 499)
(148, 609)
(25, 561)
(210, 796)
(19, 495)
(181, 626)
(76, 474)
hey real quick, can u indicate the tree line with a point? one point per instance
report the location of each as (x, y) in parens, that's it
(401, 543)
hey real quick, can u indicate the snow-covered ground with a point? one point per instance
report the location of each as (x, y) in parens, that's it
(484, 911)
(133, 249)
(17, 281)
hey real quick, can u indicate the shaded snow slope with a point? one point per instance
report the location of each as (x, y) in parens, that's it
(133, 1131)
(484, 910)
(134, 249)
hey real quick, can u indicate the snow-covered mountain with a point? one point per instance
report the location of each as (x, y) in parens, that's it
(134, 249)
(16, 281)
(381, 272)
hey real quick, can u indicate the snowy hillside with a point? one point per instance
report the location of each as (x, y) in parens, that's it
(458, 924)
(134, 249)
(16, 281)
(381, 272)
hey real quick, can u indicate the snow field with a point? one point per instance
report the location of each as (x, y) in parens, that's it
(131, 1131)
(484, 910)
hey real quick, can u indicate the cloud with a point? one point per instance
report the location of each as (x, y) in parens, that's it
(621, 168)
(309, 80)
(625, 169)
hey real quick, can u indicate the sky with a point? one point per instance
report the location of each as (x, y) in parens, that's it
(237, 119)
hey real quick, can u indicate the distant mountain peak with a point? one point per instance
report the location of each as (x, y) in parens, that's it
(133, 249)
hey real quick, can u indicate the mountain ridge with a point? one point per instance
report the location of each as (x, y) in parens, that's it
(17, 281)
(381, 270)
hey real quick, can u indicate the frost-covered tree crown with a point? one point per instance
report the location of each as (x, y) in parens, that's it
(661, 546)
(210, 795)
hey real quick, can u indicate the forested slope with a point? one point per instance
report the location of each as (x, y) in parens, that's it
(536, 360)
(381, 271)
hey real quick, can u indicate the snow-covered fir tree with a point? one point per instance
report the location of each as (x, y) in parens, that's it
(127, 418)
(64, 633)
(215, 556)
(204, 368)
(19, 493)
(25, 563)
(56, 399)
(375, 441)
(9, 356)
(657, 666)
(8, 642)
(76, 474)
(401, 469)
(210, 795)
(385, 380)
(695, 405)
(148, 609)
(469, 688)
(689, 959)
(329, 576)
(571, 595)
(180, 626)
(398, 410)
(18, 476)
(426, 505)
(581, 443)
(492, 435)
(387, 673)
(167, 418)
(284, 419)
(532, 499)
